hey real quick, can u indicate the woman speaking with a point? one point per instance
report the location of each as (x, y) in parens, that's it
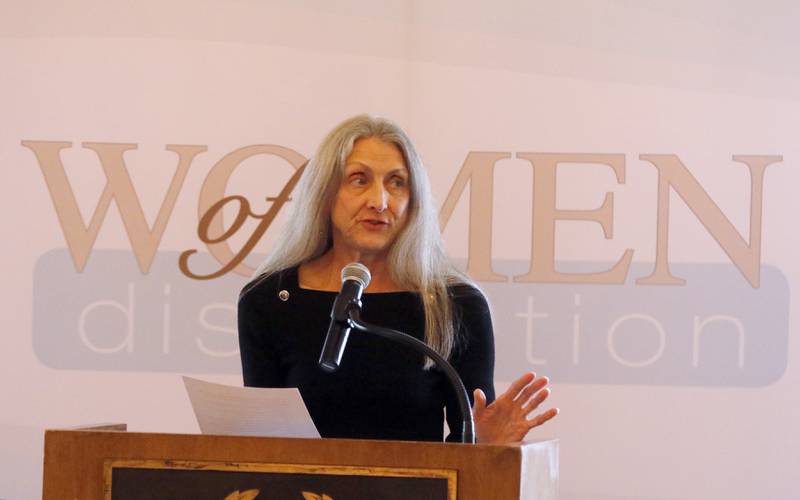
(365, 197)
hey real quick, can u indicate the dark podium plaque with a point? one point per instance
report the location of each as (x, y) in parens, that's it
(173, 479)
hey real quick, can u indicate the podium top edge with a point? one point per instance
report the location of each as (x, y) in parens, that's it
(106, 426)
(121, 427)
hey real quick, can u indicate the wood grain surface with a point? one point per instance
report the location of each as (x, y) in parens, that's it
(74, 460)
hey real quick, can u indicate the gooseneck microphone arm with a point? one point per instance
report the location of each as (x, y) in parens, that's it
(346, 315)
(468, 425)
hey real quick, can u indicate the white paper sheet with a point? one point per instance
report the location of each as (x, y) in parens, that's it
(249, 411)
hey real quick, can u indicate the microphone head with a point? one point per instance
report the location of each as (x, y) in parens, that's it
(356, 271)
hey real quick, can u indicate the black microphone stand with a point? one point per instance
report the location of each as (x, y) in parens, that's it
(468, 425)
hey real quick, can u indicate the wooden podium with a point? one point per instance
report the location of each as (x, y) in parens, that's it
(106, 462)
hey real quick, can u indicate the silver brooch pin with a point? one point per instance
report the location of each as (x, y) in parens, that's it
(283, 295)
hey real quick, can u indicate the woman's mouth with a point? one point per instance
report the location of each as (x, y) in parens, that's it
(374, 223)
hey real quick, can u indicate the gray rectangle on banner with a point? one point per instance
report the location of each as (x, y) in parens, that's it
(112, 317)
(716, 330)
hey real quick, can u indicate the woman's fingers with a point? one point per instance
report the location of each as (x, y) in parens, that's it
(532, 388)
(542, 418)
(527, 392)
(479, 404)
(518, 385)
(534, 402)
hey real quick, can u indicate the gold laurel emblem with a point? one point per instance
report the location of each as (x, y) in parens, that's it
(245, 495)
(307, 495)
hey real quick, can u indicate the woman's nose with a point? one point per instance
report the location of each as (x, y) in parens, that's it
(377, 197)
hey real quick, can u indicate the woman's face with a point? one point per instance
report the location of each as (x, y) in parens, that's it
(371, 207)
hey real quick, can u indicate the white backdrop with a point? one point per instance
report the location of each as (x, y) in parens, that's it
(667, 391)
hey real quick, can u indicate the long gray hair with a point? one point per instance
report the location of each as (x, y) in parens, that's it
(416, 259)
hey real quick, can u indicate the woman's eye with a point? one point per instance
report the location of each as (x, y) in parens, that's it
(358, 179)
(398, 182)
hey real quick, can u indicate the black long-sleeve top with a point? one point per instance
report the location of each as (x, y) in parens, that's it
(381, 390)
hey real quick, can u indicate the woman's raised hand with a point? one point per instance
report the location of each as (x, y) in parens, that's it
(506, 419)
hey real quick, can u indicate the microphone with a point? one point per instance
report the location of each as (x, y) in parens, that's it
(355, 278)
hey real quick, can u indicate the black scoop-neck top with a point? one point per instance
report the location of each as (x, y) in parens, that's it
(381, 390)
